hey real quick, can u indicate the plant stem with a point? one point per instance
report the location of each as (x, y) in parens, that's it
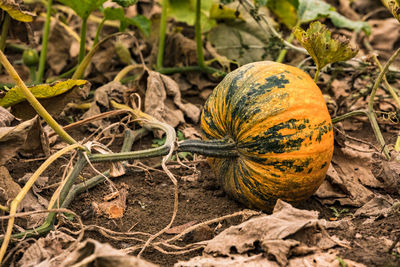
(371, 102)
(4, 31)
(79, 72)
(45, 41)
(98, 31)
(316, 75)
(17, 200)
(83, 40)
(199, 43)
(163, 30)
(210, 148)
(350, 114)
(283, 52)
(34, 102)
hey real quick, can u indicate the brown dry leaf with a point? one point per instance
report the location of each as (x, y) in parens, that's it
(269, 231)
(58, 53)
(48, 251)
(115, 208)
(191, 133)
(319, 259)
(376, 207)
(94, 253)
(181, 50)
(6, 118)
(101, 102)
(357, 164)
(342, 188)
(391, 173)
(158, 105)
(385, 34)
(25, 135)
(10, 188)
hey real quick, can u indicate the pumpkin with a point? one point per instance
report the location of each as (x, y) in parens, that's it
(274, 120)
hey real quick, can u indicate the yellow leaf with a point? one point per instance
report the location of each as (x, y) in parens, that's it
(14, 10)
(40, 91)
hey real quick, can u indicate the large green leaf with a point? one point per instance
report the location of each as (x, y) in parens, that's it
(140, 21)
(83, 8)
(13, 96)
(185, 11)
(310, 10)
(322, 48)
(125, 3)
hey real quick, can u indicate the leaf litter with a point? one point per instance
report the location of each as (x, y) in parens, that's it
(357, 181)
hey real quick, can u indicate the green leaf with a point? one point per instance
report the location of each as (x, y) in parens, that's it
(111, 13)
(83, 8)
(185, 11)
(13, 96)
(343, 22)
(310, 10)
(141, 22)
(285, 10)
(322, 48)
(223, 12)
(125, 3)
(14, 10)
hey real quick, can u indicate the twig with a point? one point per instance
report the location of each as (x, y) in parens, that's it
(15, 203)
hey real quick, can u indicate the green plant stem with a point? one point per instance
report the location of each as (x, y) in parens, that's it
(350, 114)
(98, 31)
(130, 138)
(210, 148)
(32, 74)
(83, 40)
(316, 76)
(385, 81)
(45, 41)
(199, 42)
(4, 31)
(374, 125)
(283, 52)
(163, 30)
(371, 101)
(34, 102)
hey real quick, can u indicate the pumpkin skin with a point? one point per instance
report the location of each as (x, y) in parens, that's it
(277, 117)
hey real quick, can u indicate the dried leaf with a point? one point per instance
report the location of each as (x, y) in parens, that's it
(101, 255)
(48, 251)
(101, 101)
(376, 207)
(14, 10)
(6, 118)
(322, 48)
(180, 228)
(115, 208)
(14, 139)
(162, 108)
(9, 188)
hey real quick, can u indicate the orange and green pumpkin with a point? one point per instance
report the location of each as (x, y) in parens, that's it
(277, 132)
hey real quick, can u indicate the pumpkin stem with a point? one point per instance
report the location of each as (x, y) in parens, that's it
(221, 148)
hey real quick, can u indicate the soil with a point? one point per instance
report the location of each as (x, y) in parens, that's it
(150, 205)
